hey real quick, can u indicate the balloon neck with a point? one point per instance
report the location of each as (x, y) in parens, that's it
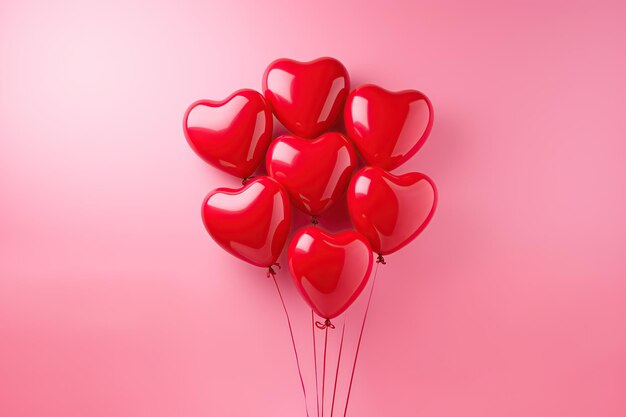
(326, 325)
(314, 220)
(380, 259)
(271, 272)
(246, 180)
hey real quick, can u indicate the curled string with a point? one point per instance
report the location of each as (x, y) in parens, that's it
(271, 272)
(326, 325)
(245, 180)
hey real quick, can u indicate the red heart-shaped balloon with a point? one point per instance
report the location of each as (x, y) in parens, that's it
(251, 222)
(232, 134)
(314, 172)
(389, 210)
(330, 271)
(306, 97)
(387, 128)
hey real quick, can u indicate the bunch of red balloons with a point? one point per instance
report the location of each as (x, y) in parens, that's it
(312, 168)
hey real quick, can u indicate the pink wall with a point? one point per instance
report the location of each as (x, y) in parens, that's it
(114, 301)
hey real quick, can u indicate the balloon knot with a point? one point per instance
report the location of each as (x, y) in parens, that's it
(314, 220)
(326, 325)
(380, 259)
(271, 272)
(246, 180)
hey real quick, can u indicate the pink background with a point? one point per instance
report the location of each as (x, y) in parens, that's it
(115, 302)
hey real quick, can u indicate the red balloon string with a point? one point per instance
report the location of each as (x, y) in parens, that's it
(293, 340)
(323, 326)
(332, 407)
(245, 180)
(324, 366)
(317, 393)
(379, 260)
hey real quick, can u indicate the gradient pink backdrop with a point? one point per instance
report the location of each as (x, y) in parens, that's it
(115, 302)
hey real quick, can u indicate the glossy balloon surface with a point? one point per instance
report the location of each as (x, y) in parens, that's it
(386, 127)
(232, 134)
(389, 210)
(252, 222)
(314, 172)
(307, 97)
(329, 270)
